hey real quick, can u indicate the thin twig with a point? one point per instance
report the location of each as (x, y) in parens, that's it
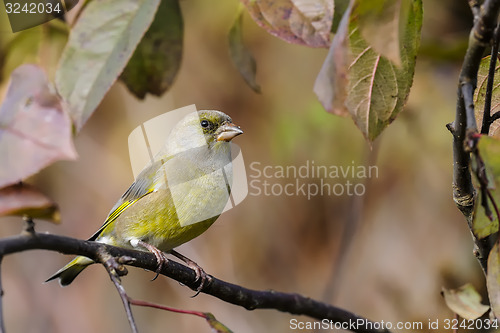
(249, 299)
(485, 128)
(495, 116)
(475, 6)
(110, 265)
(210, 318)
(486, 195)
(2, 324)
(163, 307)
(80, 11)
(29, 225)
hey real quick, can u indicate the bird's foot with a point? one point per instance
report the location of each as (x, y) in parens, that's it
(160, 256)
(200, 273)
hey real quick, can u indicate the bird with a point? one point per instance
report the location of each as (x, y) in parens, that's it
(175, 198)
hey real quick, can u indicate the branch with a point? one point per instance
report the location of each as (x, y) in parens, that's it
(115, 272)
(231, 293)
(464, 126)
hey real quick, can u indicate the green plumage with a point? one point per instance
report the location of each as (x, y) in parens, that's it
(175, 198)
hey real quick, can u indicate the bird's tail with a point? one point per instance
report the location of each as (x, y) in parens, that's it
(69, 272)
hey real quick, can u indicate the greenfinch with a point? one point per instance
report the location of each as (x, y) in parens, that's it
(175, 198)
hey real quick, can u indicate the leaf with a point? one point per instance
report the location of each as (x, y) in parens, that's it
(99, 46)
(340, 7)
(379, 26)
(465, 301)
(480, 93)
(26, 200)
(376, 89)
(240, 55)
(331, 84)
(54, 38)
(35, 131)
(22, 48)
(489, 149)
(493, 280)
(303, 22)
(157, 59)
(42, 45)
(217, 326)
(373, 90)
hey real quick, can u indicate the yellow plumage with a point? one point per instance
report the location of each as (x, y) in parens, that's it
(175, 198)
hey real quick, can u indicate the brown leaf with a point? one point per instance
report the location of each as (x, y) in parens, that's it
(493, 279)
(332, 81)
(303, 22)
(367, 84)
(465, 301)
(26, 200)
(35, 131)
(480, 96)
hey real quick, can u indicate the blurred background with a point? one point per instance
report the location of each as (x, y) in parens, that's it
(384, 255)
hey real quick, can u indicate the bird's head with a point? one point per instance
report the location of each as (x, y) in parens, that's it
(203, 128)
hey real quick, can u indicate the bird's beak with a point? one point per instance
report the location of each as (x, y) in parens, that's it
(228, 131)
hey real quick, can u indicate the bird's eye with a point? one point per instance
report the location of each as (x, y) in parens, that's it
(204, 123)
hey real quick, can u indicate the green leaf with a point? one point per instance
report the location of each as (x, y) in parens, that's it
(157, 59)
(465, 301)
(489, 149)
(22, 48)
(35, 130)
(493, 280)
(42, 45)
(26, 200)
(376, 89)
(480, 93)
(303, 22)
(379, 26)
(100, 45)
(217, 326)
(373, 87)
(340, 7)
(240, 55)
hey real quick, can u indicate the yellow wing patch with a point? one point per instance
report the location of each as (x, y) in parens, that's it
(114, 215)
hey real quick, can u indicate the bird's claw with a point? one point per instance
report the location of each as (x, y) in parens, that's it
(159, 255)
(200, 275)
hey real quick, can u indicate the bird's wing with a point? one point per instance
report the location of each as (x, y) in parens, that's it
(144, 185)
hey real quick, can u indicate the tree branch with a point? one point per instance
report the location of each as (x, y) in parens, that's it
(464, 126)
(231, 293)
